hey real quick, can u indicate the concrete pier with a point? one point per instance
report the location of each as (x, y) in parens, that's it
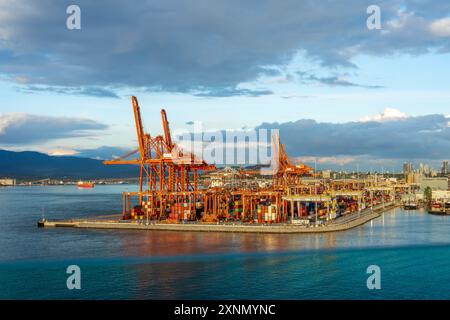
(341, 224)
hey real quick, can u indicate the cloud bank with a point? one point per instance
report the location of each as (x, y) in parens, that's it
(384, 140)
(391, 135)
(387, 139)
(203, 47)
(26, 129)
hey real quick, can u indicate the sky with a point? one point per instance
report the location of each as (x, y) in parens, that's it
(339, 92)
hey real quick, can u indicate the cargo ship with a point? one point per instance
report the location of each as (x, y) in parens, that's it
(85, 185)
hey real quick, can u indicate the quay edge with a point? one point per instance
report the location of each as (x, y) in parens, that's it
(359, 219)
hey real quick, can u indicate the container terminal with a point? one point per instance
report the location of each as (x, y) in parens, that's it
(293, 198)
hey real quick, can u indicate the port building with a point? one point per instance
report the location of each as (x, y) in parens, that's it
(7, 182)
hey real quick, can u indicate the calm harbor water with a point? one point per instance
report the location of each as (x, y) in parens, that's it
(412, 249)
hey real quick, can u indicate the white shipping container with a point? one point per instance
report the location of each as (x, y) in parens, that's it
(300, 222)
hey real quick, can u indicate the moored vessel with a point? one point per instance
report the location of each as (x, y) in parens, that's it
(85, 185)
(410, 206)
(439, 208)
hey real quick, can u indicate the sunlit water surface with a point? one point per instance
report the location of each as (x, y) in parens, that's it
(411, 248)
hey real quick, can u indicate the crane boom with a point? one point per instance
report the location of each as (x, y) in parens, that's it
(167, 135)
(139, 127)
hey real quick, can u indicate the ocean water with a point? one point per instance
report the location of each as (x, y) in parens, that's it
(412, 249)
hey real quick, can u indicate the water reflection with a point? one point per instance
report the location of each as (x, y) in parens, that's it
(172, 265)
(396, 228)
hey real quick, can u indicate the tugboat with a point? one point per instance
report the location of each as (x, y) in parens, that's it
(85, 185)
(437, 208)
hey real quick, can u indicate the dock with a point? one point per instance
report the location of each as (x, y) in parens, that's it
(341, 224)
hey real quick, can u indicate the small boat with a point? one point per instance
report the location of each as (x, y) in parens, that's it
(437, 208)
(411, 202)
(85, 185)
(41, 223)
(410, 206)
(447, 207)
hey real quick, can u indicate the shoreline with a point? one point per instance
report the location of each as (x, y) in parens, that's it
(349, 223)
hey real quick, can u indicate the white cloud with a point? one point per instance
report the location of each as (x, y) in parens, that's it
(386, 115)
(401, 21)
(62, 152)
(22, 79)
(440, 27)
(7, 120)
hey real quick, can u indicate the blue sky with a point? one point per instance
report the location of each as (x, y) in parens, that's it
(229, 66)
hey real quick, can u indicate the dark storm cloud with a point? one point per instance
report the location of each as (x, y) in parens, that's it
(232, 92)
(184, 46)
(333, 81)
(89, 91)
(24, 129)
(423, 137)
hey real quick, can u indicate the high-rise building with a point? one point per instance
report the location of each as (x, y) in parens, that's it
(421, 169)
(426, 170)
(445, 169)
(408, 168)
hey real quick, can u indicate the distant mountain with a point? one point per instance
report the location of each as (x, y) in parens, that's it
(30, 164)
(102, 153)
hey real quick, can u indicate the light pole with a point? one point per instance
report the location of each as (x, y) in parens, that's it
(315, 186)
(146, 210)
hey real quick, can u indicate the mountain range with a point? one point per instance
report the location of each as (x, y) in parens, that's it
(30, 164)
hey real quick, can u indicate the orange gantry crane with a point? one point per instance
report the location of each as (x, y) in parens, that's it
(286, 172)
(165, 169)
(169, 180)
